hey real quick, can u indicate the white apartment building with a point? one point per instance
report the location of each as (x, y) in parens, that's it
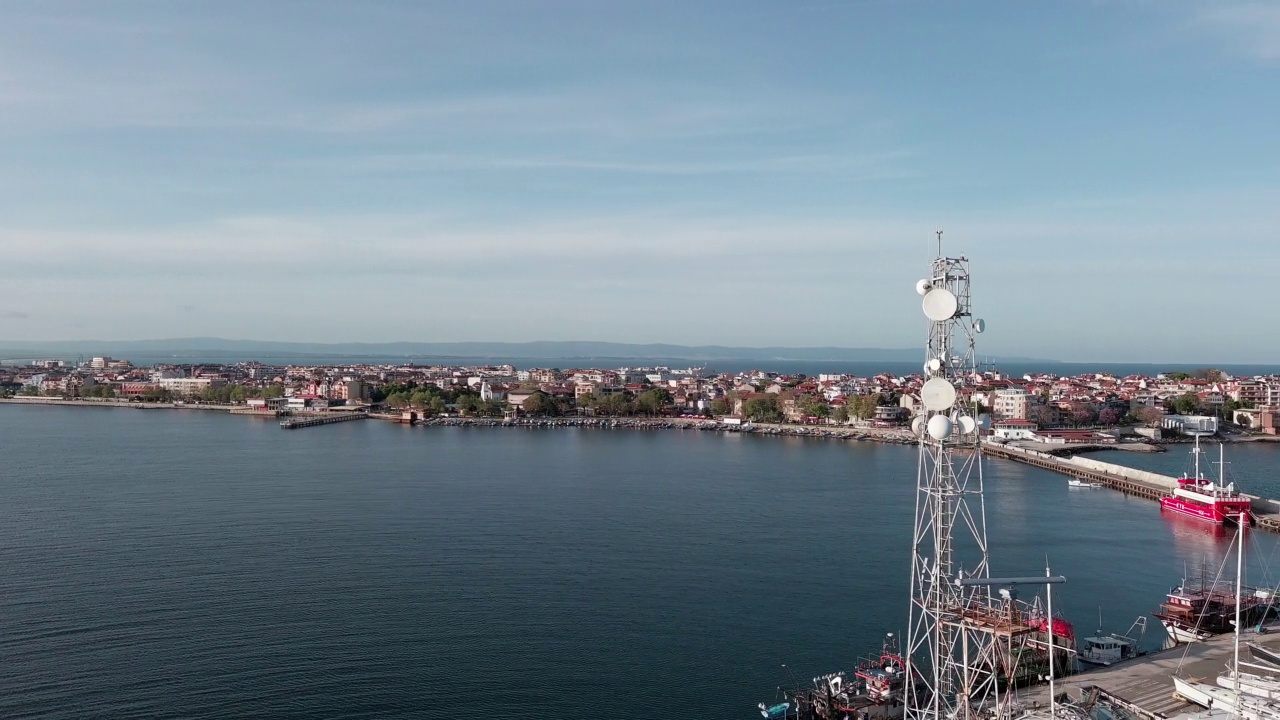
(1010, 404)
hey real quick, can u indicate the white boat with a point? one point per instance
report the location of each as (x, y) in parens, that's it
(1076, 482)
(1262, 686)
(1213, 697)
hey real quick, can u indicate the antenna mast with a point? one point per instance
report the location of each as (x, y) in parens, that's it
(952, 655)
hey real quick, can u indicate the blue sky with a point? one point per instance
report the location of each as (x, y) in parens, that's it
(743, 173)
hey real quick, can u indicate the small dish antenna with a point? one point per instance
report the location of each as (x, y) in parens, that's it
(940, 304)
(984, 421)
(917, 426)
(939, 427)
(934, 365)
(938, 394)
(923, 286)
(967, 424)
(979, 325)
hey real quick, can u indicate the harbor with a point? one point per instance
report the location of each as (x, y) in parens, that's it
(1137, 483)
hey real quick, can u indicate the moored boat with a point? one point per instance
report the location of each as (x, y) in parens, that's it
(1113, 647)
(1199, 497)
(1197, 609)
(1264, 654)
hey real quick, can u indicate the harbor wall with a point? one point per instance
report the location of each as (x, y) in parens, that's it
(1125, 472)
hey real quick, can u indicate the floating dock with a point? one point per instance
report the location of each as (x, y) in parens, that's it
(1138, 483)
(301, 422)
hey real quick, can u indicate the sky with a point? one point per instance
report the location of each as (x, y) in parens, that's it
(742, 172)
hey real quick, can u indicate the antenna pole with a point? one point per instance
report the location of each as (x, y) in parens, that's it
(939, 233)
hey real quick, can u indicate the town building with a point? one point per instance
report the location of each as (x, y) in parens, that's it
(1010, 404)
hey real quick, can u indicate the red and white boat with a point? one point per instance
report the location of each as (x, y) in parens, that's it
(1199, 497)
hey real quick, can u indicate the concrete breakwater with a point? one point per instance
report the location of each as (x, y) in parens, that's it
(1130, 481)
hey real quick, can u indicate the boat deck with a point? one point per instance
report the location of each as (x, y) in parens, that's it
(1146, 682)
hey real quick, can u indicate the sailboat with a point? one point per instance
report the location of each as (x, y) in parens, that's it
(1232, 696)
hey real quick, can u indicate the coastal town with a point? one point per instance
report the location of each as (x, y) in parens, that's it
(1088, 408)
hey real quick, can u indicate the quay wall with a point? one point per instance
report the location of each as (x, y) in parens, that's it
(1125, 472)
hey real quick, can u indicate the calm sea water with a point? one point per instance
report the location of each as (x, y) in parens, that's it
(186, 564)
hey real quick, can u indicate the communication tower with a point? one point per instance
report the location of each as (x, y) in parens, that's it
(952, 632)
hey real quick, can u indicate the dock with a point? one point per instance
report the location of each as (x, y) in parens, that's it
(1130, 481)
(1144, 685)
(302, 422)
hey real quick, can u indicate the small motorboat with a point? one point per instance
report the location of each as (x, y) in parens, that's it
(1075, 482)
(774, 712)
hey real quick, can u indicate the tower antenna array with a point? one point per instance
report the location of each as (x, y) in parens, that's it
(952, 650)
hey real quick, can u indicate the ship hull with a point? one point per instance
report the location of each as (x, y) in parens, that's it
(1217, 513)
(1185, 635)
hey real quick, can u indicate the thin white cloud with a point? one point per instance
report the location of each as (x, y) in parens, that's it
(1250, 29)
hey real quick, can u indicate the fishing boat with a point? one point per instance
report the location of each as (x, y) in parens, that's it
(1113, 647)
(1199, 497)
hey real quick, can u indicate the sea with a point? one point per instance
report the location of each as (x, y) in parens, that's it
(193, 564)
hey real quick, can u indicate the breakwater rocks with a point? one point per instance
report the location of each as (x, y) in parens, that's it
(841, 433)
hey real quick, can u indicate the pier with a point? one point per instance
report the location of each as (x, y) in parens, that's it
(1130, 481)
(303, 422)
(1144, 685)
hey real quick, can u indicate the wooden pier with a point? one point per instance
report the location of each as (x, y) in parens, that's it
(301, 422)
(1266, 512)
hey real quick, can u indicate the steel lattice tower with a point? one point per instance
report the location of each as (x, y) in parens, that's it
(951, 648)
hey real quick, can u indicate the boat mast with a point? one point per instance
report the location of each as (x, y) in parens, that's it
(1195, 453)
(1048, 590)
(1239, 580)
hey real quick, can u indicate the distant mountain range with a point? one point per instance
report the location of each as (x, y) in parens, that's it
(205, 347)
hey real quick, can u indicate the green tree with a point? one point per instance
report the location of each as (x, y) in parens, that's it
(762, 410)
(540, 403)
(398, 400)
(614, 405)
(720, 406)
(813, 407)
(863, 407)
(238, 394)
(1187, 404)
(653, 402)
(436, 405)
(841, 414)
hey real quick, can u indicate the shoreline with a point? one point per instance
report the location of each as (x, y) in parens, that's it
(896, 436)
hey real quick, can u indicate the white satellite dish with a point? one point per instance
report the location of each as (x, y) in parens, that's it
(938, 394)
(940, 304)
(923, 286)
(939, 427)
(935, 364)
(917, 426)
(984, 421)
(967, 424)
(979, 325)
